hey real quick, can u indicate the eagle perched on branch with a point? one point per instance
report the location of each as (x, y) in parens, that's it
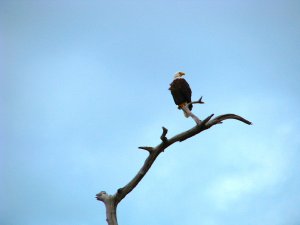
(181, 91)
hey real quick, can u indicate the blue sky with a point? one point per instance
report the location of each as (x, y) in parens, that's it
(84, 83)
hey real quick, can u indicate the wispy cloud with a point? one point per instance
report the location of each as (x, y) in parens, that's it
(261, 167)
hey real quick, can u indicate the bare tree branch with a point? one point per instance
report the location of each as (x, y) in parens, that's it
(196, 102)
(111, 201)
(147, 148)
(189, 113)
(110, 205)
(219, 119)
(163, 136)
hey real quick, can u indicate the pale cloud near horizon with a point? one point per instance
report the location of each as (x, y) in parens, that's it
(267, 171)
(263, 164)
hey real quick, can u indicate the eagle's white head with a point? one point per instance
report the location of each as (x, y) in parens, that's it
(178, 75)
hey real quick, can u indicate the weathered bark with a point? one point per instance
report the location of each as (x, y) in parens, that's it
(189, 113)
(110, 205)
(111, 201)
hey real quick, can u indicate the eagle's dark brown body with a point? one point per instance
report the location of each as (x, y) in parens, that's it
(181, 92)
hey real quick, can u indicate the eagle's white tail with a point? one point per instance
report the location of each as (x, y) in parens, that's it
(186, 111)
(186, 114)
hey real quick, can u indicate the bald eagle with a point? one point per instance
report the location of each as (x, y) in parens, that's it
(181, 91)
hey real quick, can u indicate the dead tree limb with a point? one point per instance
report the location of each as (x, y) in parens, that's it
(192, 115)
(189, 112)
(196, 102)
(111, 201)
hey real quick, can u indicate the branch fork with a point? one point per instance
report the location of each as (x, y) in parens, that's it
(189, 113)
(147, 148)
(163, 135)
(196, 102)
